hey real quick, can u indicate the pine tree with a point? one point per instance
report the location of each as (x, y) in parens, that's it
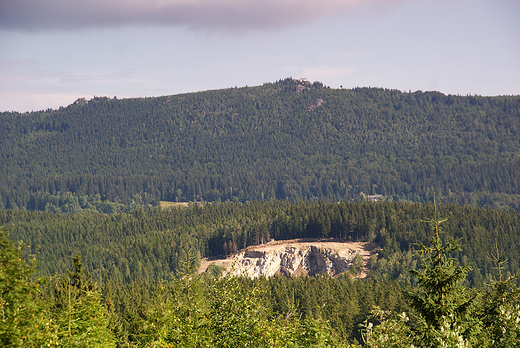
(24, 322)
(442, 302)
(501, 309)
(79, 311)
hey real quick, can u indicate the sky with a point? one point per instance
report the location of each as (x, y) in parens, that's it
(53, 52)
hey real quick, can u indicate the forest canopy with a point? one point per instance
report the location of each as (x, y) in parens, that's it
(104, 264)
(435, 307)
(150, 244)
(285, 140)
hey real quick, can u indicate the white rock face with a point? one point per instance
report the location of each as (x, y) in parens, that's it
(295, 258)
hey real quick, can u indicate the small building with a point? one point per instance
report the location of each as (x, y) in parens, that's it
(375, 198)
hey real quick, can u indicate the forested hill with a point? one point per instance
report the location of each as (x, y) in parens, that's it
(289, 139)
(151, 244)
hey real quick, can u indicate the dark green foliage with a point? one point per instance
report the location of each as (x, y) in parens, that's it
(67, 202)
(148, 245)
(357, 264)
(390, 330)
(500, 309)
(23, 319)
(207, 311)
(192, 311)
(274, 141)
(342, 301)
(449, 314)
(78, 311)
(215, 270)
(443, 303)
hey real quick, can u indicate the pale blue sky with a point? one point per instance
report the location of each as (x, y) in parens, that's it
(51, 53)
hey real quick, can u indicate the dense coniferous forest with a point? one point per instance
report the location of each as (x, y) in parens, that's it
(104, 266)
(435, 307)
(290, 139)
(149, 244)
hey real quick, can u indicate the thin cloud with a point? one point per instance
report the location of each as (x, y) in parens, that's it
(227, 15)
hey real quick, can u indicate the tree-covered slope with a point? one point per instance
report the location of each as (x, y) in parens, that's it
(149, 245)
(206, 310)
(286, 139)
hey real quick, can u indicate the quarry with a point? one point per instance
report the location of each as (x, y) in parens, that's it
(295, 258)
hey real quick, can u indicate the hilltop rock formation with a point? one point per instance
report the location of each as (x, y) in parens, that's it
(294, 258)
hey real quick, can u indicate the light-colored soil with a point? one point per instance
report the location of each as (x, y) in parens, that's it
(166, 204)
(337, 246)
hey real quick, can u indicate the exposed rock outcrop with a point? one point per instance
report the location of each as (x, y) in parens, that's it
(293, 258)
(317, 103)
(80, 101)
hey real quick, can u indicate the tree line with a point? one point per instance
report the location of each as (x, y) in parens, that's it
(214, 311)
(148, 244)
(267, 142)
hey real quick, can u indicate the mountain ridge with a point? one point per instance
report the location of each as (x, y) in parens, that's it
(288, 139)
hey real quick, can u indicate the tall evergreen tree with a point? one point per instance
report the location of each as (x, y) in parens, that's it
(24, 322)
(79, 312)
(442, 302)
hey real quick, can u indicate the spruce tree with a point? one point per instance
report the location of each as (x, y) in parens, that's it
(442, 302)
(24, 322)
(79, 311)
(500, 309)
